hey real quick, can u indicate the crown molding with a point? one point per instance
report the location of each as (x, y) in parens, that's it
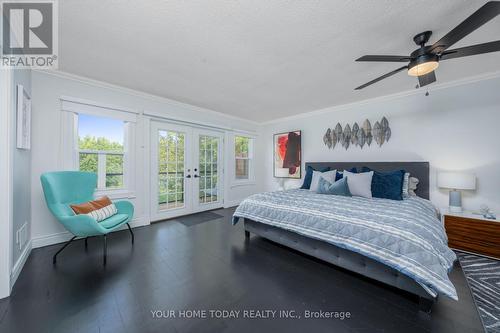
(89, 102)
(336, 108)
(132, 92)
(137, 93)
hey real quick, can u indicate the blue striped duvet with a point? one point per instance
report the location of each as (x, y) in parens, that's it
(405, 235)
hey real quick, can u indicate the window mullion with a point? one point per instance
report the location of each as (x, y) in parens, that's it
(125, 155)
(177, 136)
(101, 170)
(244, 147)
(205, 174)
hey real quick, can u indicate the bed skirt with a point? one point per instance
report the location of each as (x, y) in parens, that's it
(346, 259)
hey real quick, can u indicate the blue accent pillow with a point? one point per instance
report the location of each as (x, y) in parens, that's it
(340, 175)
(387, 185)
(308, 177)
(340, 187)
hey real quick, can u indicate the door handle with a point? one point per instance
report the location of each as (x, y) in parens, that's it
(188, 176)
(196, 176)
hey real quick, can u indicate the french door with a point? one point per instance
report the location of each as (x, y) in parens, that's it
(186, 170)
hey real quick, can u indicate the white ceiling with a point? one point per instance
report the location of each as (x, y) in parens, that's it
(260, 60)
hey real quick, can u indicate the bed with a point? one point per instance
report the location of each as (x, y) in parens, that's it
(399, 243)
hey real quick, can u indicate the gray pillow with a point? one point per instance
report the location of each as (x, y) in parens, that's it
(412, 186)
(317, 175)
(339, 187)
(360, 184)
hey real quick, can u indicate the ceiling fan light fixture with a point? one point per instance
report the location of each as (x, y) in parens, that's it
(425, 60)
(423, 65)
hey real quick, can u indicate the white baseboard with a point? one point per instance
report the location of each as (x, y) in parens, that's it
(18, 267)
(65, 236)
(56, 238)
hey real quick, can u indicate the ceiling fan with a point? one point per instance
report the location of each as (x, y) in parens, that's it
(423, 61)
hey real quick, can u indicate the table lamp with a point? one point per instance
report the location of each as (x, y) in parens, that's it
(456, 181)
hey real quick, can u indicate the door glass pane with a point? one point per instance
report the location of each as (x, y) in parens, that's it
(170, 169)
(208, 157)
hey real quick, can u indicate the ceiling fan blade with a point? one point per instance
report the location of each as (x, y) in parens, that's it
(471, 50)
(381, 77)
(426, 79)
(484, 14)
(387, 58)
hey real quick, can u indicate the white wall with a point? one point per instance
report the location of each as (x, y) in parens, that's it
(6, 147)
(15, 170)
(21, 200)
(47, 133)
(454, 128)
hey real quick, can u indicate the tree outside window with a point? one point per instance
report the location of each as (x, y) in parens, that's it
(243, 157)
(101, 149)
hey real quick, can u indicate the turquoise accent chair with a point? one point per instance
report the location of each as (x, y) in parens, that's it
(63, 188)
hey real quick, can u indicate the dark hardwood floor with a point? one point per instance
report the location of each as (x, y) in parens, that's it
(209, 266)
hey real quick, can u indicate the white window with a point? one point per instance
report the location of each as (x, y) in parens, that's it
(243, 154)
(101, 139)
(102, 149)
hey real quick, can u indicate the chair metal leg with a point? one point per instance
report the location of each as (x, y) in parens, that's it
(104, 250)
(86, 243)
(131, 232)
(54, 259)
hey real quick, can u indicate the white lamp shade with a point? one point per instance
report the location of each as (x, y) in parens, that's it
(457, 180)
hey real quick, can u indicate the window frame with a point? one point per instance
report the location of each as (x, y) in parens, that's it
(70, 142)
(251, 161)
(101, 159)
(101, 167)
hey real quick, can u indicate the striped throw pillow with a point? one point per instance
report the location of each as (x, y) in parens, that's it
(99, 209)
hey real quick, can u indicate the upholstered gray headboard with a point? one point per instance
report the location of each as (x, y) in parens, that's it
(419, 170)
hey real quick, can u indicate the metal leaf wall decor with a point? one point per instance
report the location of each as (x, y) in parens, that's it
(367, 127)
(333, 138)
(354, 134)
(338, 132)
(358, 136)
(346, 136)
(327, 138)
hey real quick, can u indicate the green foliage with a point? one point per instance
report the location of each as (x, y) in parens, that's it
(114, 163)
(171, 166)
(241, 146)
(92, 143)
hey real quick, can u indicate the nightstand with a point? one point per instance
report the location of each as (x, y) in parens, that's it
(472, 233)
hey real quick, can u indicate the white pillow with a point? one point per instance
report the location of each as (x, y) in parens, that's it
(328, 175)
(360, 184)
(406, 183)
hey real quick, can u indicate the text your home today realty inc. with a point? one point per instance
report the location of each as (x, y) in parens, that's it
(249, 314)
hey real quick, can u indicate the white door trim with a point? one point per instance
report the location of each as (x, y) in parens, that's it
(6, 172)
